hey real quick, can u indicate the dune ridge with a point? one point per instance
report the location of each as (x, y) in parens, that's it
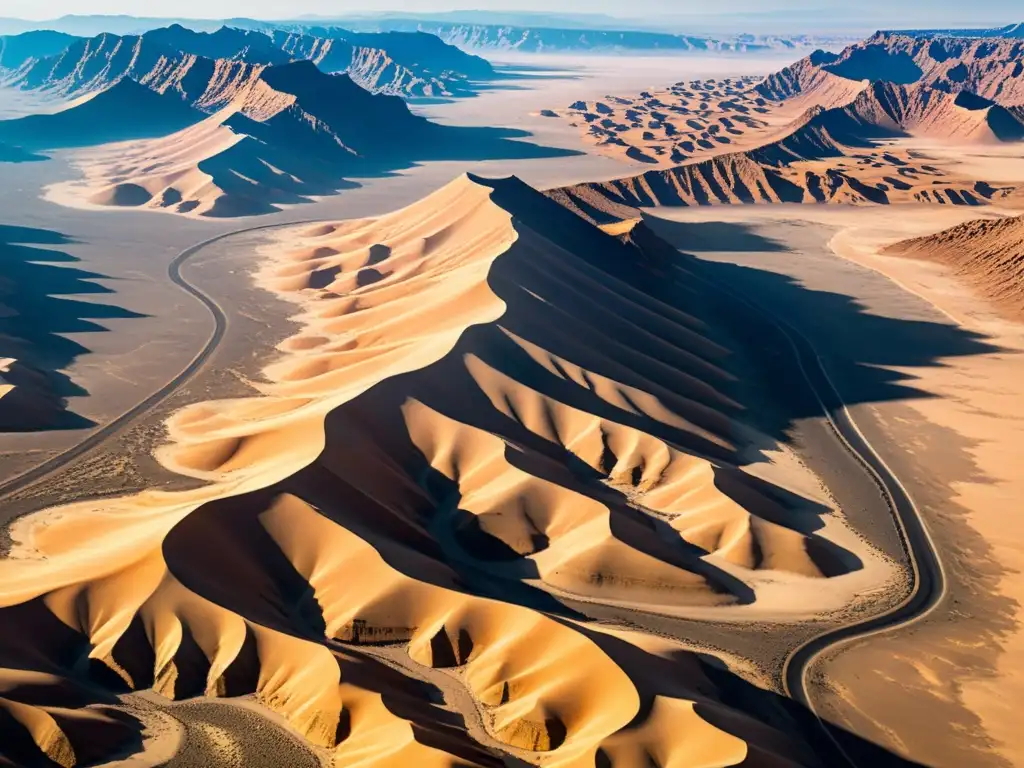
(988, 253)
(441, 423)
(747, 178)
(283, 135)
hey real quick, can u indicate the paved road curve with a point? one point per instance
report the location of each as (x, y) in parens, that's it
(56, 463)
(928, 576)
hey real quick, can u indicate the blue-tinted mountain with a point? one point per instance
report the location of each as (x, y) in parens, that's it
(17, 50)
(413, 64)
(124, 111)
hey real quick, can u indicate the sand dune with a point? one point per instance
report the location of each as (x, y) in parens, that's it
(988, 253)
(825, 156)
(887, 109)
(808, 82)
(671, 126)
(288, 133)
(487, 404)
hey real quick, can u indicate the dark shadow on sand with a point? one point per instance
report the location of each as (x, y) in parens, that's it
(270, 169)
(863, 351)
(715, 236)
(37, 292)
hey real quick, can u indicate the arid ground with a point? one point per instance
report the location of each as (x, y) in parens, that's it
(563, 469)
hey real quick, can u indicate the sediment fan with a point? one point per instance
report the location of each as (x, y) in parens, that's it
(489, 404)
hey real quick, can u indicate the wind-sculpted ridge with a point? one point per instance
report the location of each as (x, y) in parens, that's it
(488, 406)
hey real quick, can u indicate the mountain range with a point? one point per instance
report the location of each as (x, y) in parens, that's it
(413, 64)
(536, 39)
(888, 87)
(486, 30)
(992, 68)
(1008, 31)
(252, 137)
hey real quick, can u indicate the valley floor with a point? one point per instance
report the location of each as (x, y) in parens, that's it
(933, 375)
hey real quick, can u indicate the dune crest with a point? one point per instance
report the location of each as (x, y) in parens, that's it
(442, 423)
(986, 252)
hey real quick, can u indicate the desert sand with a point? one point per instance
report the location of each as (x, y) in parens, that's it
(985, 252)
(439, 422)
(978, 399)
(954, 430)
(700, 118)
(495, 410)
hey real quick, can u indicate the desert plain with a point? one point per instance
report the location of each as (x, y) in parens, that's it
(582, 441)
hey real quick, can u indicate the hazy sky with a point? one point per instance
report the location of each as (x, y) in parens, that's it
(922, 11)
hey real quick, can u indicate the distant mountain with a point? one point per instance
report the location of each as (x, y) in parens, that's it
(535, 39)
(411, 64)
(992, 68)
(415, 50)
(126, 110)
(282, 134)
(555, 19)
(1010, 31)
(93, 25)
(9, 154)
(16, 50)
(225, 43)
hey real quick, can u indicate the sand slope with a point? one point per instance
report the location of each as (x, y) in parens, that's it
(668, 127)
(988, 253)
(287, 133)
(488, 403)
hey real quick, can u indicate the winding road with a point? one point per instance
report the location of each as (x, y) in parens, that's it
(54, 464)
(928, 576)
